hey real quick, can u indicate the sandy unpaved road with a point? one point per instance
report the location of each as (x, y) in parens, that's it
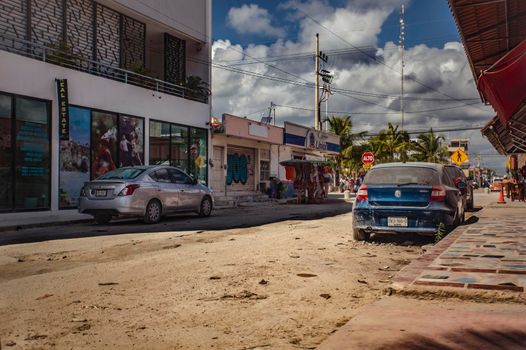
(193, 290)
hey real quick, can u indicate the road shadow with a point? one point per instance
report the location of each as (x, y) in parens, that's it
(465, 339)
(402, 238)
(226, 219)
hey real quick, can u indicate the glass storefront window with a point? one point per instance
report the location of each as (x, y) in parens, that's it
(159, 143)
(179, 142)
(104, 138)
(198, 154)
(131, 141)
(75, 157)
(6, 153)
(32, 187)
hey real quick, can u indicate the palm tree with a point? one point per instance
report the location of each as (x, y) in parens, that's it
(429, 148)
(391, 144)
(342, 126)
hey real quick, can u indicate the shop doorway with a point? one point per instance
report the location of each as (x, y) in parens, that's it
(240, 169)
(218, 174)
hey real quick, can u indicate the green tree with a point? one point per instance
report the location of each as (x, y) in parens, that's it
(342, 126)
(391, 144)
(429, 148)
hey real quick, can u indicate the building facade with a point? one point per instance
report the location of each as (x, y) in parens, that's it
(301, 142)
(244, 155)
(89, 86)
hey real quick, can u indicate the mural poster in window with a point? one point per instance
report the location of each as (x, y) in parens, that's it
(131, 142)
(104, 139)
(74, 157)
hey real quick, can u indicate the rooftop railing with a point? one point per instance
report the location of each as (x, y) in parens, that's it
(70, 60)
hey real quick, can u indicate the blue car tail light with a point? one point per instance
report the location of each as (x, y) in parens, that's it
(438, 194)
(362, 194)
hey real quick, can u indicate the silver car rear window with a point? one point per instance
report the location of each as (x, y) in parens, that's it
(401, 175)
(121, 174)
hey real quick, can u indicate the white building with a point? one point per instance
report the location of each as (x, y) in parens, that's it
(125, 63)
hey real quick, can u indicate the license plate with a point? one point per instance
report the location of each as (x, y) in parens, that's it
(100, 193)
(397, 221)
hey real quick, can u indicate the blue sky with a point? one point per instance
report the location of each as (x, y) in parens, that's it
(427, 21)
(260, 36)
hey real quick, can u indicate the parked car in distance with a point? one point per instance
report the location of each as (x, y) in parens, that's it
(457, 175)
(407, 197)
(144, 191)
(496, 185)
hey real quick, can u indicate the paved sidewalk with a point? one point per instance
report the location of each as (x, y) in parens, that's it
(18, 221)
(397, 323)
(487, 255)
(484, 260)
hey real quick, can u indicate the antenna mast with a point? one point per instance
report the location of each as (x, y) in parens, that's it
(402, 49)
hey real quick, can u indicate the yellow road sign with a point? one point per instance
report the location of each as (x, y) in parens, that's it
(459, 157)
(367, 166)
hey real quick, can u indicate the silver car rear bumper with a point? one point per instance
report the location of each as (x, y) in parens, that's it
(120, 205)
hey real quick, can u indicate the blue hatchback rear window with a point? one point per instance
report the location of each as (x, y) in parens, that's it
(401, 175)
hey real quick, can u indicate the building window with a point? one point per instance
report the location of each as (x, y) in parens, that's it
(198, 154)
(75, 157)
(174, 59)
(180, 146)
(179, 142)
(159, 143)
(104, 138)
(24, 153)
(99, 142)
(131, 141)
(264, 170)
(6, 153)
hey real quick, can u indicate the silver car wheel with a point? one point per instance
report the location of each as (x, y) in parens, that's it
(206, 207)
(153, 212)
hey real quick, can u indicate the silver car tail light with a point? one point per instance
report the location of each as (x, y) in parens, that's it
(128, 190)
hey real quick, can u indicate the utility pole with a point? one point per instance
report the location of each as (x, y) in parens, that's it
(327, 80)
(402, 49)
(317, 85)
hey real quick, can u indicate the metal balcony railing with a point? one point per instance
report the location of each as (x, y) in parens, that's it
(72, 61)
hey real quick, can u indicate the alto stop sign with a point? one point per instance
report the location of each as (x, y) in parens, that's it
(367, 158)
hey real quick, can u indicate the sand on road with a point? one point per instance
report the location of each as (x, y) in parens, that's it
(284, 285)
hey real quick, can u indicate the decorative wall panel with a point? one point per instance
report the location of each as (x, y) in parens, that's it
(174, 59)
(79, 27)
(47, 23)
(108, 36)
(13, 19)
(132, 43)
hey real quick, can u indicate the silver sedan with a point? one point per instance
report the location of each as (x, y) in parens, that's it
(146, 191)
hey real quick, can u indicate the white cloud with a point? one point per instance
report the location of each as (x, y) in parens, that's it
(443, 76)
(252, 19)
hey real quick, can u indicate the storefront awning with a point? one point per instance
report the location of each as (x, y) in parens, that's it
(507, 138)
(504, 83)
(493, 33)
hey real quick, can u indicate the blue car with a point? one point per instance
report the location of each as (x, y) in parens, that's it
(408, 197)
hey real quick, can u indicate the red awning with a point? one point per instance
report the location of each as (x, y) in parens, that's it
(504, 83)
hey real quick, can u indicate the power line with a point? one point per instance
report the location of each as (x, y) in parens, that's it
(423, 131)
(374, 113)
(343, 92)
(375, 59)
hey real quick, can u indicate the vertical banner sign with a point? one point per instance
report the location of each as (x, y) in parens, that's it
(63, 108)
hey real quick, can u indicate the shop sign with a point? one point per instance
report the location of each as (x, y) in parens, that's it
(258, 130)
(314, 140)
(63, 108)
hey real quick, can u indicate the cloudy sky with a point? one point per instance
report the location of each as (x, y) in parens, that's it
(263, 52)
